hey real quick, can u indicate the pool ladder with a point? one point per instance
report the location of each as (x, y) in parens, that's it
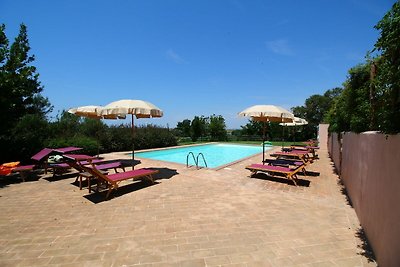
(196, 159)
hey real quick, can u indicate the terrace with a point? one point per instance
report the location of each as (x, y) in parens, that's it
(188, 218)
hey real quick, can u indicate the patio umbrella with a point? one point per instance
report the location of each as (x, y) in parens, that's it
(296, 122)
(92, 112)
(138, 108)
(267, 113)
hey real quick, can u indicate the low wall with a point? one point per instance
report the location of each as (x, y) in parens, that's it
(370, 173)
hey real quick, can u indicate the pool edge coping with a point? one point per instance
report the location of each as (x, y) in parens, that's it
(208, 143)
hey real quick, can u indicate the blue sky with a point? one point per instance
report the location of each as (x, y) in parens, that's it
(194, 57)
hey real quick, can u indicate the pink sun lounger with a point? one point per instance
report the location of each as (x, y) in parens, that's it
(112, 180)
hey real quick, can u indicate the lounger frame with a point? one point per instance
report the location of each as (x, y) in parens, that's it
(112, 180)
(289, 173)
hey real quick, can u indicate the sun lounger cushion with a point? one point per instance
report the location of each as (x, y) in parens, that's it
(24, 168)
(106, 166)
(67, 149)
(130, 174)
(45, 152)
(283, 162)
(42, 154)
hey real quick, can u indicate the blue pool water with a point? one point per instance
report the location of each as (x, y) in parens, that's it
(216, 155)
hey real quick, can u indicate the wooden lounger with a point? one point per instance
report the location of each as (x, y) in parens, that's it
(101, 167)
(296, 155)
(289, 173)
(112, 180)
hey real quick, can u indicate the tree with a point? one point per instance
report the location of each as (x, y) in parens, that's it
(20, 85)
(67, 125)
(388, 71)
(315, 110)
(184, 128)
(256, 128)
(350, 109)
(198, 127)
(29, 135)
(20, 89)
(217, 128)
(252, 128)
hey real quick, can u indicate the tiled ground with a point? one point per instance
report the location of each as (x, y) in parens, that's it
(188, 218)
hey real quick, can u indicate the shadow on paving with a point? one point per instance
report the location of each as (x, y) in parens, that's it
(16, 179)
(310, 173)
(98, 197)
(366, 248)
(343, 190)
(127, 162)
(59, 177)
(163, 173)
(283, 180)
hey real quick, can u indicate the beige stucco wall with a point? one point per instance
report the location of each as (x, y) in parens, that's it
(323, 136)
(334, 150)
(371, 173)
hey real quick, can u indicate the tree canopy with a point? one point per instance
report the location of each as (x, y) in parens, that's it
(387, 83)
(21, 102)
(315, 110)
(371, 96)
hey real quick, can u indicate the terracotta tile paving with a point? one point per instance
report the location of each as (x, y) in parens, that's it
(188, 218)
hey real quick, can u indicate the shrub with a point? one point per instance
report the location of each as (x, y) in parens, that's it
(27, 138)
(89, 145)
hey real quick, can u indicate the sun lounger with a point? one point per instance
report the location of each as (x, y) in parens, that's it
(24, 170)
(309, 149)
(289, 173)
(288, 163)
(112, 180)
(283, 162)
(76, 161)
(45, 152)
(88, 176)
(42, 156)
(294, 155)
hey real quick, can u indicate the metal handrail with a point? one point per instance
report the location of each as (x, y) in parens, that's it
(204, 160)
(187, 159)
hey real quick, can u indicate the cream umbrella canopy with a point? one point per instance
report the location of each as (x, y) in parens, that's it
(92, 112)
(267, 113)
(296, 122)
(138, 108)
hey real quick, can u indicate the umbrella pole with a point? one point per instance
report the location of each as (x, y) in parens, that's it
(294, 135)
(263, 143)
(98, 144)
(283, 134)
(133, 144)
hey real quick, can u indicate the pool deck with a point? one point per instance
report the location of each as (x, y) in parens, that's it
(188, 218)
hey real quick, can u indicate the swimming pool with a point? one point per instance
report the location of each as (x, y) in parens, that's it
(216, 155)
